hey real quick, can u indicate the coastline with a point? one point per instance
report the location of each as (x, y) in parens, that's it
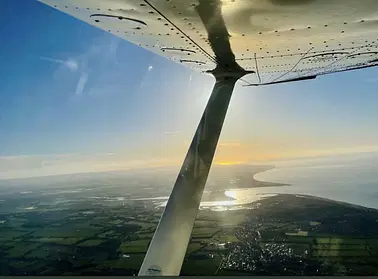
(342, 203)
(220, 195)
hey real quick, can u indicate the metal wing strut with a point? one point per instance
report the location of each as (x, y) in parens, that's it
(167, 250)
(169, 243)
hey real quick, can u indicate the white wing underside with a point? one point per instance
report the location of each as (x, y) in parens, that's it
(279, 40)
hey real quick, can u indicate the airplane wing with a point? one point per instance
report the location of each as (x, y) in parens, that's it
(279, 40)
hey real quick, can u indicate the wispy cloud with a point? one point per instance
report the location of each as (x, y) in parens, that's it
(113, 50)
(81, 84)
(70, 64)
(74, 66)
(149, 69)
(99, 52)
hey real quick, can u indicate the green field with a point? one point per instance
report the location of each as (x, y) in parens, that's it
(19, 251)
(116, 222)
(192, 247)
(299, 239)
(40, 253)
(341, 246)
(339, 240)
(22, 265)
(144, 225)
(56, 240)
(91, 242)
(340, 253)
(204, 232)
(201, 267)
(133, 262)
(107, 234)
(137, 246)
(205, 223)
(228, 238)
(145, 235)
(11, 235)
(68, 232)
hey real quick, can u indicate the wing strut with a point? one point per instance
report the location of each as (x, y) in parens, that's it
(167, 249)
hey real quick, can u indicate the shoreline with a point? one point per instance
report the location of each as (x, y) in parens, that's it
(277, 196)
(220, 195)
(330, 200)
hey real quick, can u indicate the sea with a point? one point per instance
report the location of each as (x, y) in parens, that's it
(351, 178)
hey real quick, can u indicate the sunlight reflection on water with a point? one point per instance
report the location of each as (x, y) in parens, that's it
(240, 196)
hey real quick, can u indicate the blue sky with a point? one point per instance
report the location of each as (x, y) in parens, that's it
(76, 98)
